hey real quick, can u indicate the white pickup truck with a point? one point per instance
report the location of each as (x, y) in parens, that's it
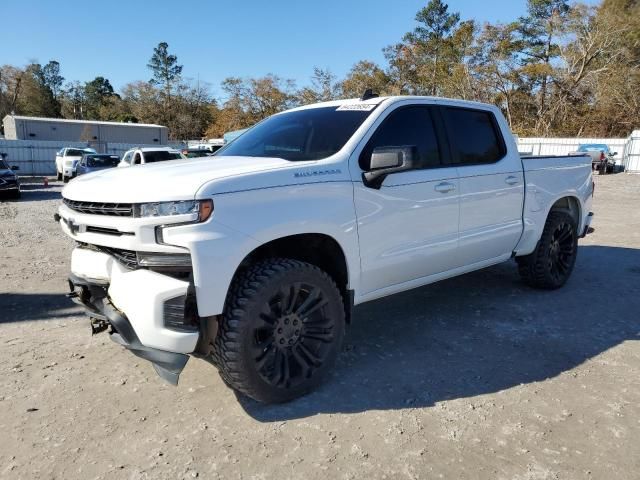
(254, 258)
(67, 160)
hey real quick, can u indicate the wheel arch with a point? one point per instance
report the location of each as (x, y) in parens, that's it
(318, 249)
(570, 204)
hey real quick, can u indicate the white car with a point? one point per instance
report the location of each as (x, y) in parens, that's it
(255, 259)
(144, 155)
(212, 145)
(67, 161)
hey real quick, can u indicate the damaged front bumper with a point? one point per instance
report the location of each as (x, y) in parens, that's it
(149, 313)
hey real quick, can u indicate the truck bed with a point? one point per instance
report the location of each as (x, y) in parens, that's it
(547, 179)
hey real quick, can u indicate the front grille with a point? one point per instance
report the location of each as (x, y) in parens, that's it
(128, 258)
(99, 208)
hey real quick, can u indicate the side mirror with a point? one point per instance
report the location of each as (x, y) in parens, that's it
(387, 160)
(614, 154)
(15, 167)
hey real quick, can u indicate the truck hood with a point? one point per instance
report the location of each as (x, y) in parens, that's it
(170, 180)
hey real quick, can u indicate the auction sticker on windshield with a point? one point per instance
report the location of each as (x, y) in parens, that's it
(361, 107)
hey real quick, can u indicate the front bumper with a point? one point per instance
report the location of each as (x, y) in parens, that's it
(69, 170)
(93, 297)
(9, 185)
(587, 225)
(133, 302)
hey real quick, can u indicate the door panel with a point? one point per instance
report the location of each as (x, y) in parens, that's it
(490, 212)
(408, 229)
(491, 184)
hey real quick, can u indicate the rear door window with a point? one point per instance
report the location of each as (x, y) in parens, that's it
(474, 136)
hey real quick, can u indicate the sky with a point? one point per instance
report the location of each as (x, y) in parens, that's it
(216, 39)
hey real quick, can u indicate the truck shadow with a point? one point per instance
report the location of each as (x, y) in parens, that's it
(476, 334)
(23, 307)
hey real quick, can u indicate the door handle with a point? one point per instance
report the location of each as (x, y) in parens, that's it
(511, 180)
(444, 187)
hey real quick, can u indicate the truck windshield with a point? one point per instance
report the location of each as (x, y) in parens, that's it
(72, 152)
(161, 156)
(593, 148)
(309, 134)
(103, 161)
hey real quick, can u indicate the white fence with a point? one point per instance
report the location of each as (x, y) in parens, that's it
(38, 157)
(627, 149)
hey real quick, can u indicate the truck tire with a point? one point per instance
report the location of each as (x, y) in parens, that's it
(551, 263)
(65, 179)
(281, 331)
(59, 176)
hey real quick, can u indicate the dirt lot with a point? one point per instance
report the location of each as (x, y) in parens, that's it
(475, 377)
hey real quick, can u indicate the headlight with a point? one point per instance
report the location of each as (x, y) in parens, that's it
(201, 208)
(164, 259)
(68, 163)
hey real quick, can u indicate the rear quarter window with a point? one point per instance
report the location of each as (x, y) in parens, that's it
(474, 136)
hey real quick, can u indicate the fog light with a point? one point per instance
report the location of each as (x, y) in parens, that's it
(178, 315)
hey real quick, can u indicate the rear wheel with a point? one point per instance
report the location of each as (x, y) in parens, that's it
(603, 168)
(551, 263)
(281, 331)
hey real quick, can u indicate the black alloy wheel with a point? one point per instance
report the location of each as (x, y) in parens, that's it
(550, 265)
(294, 336)
(281, 331)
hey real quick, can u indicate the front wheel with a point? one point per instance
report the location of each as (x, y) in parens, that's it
(281, 331)
(551, 263)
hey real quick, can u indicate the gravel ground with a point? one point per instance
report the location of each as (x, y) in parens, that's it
(474, 377)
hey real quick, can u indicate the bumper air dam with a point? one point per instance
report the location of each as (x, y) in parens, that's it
(93, 297)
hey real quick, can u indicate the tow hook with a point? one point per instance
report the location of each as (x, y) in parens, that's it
(98, 325)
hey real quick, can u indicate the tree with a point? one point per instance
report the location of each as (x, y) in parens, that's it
(167, 75)
(74, 101)
(10, 88)
(36, 97)
(251, 100)
(539, 35)
(432, 43)
(166, 71)
(324, 87)
(52, 78)
(363, 75)
(97, 94)
(495, 66)
(193, 111)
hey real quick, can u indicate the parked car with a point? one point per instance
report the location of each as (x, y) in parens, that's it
(601, 157)
(9, 183)
(144, 155)
(196, 152)
(212, 145)
(67, 162)
(254, 261)
(94, 162)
